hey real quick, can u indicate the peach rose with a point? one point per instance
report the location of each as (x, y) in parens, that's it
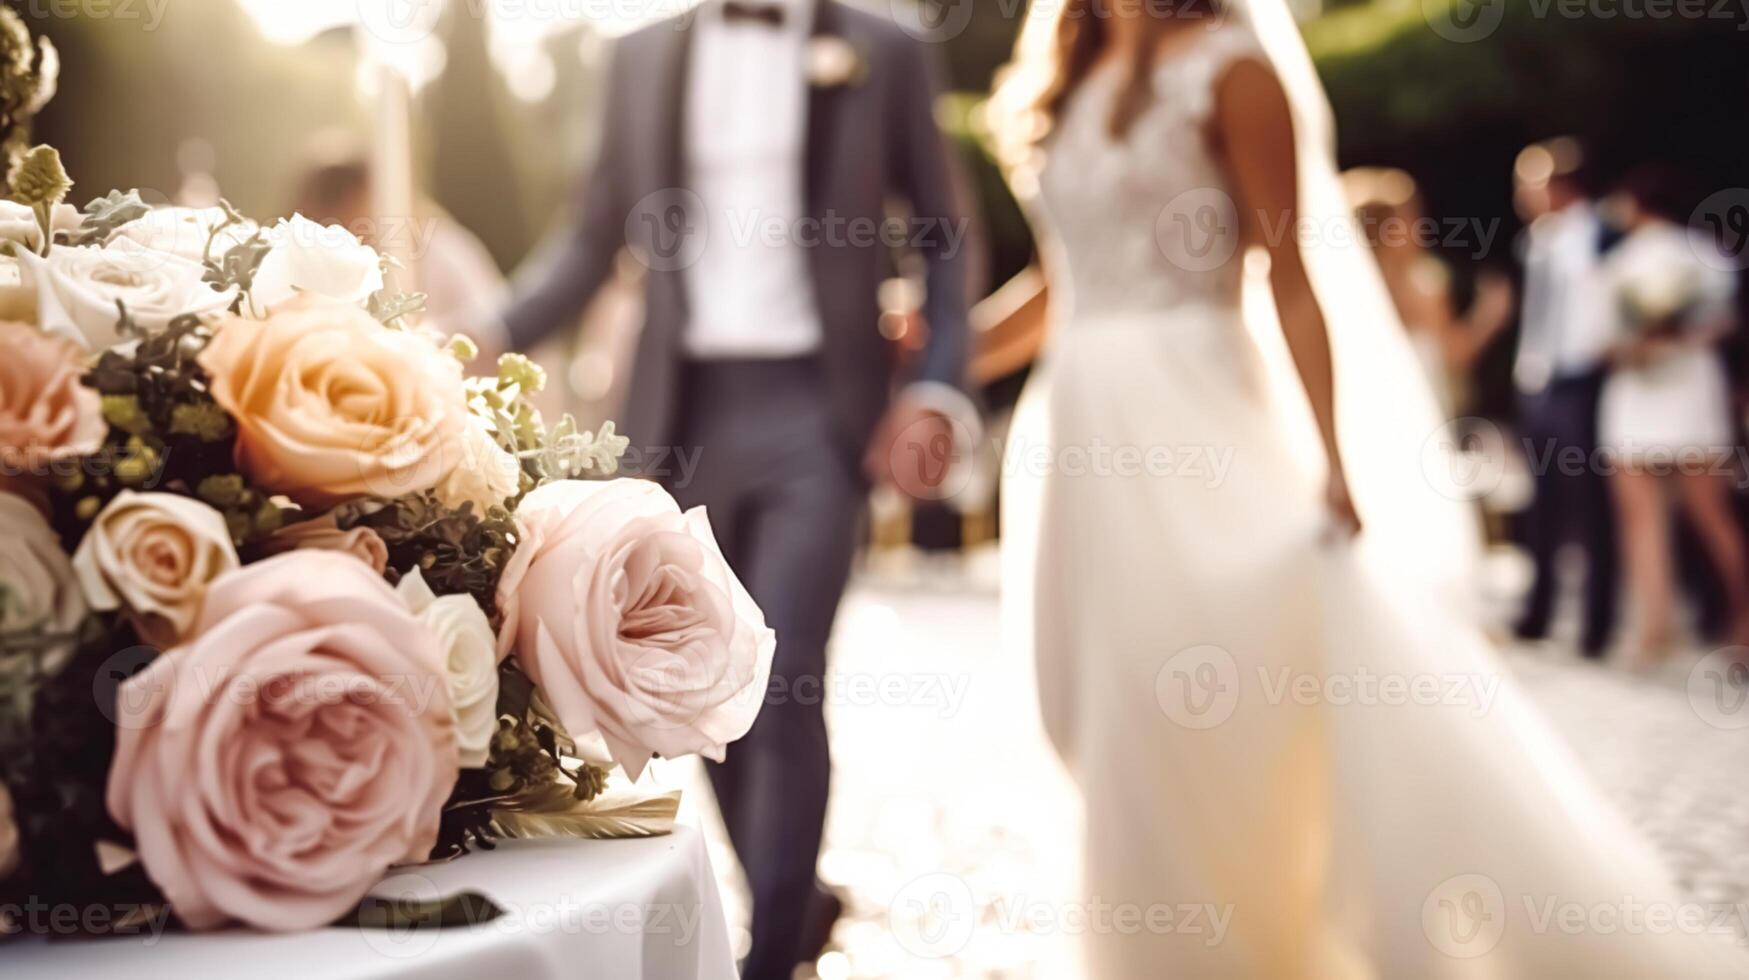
(154, 554)
(46, 414)
(272, 767)
(624, 612)
(331, 405)
(324, 533)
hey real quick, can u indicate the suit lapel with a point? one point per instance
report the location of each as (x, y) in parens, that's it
(670, 129)
(678, 75)
(822, 105)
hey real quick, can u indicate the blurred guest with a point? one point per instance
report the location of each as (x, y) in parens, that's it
(1388, 205)
(462, 285)
(1666, 408)
(1564, 339)
(761, 360)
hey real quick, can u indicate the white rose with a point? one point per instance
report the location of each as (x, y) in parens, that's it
(37, 585)
(471, 662)
(310, 258)
(19, 226)
(9, 852)
(487, 473)
(77, 289)
(154, 554)
(185, 232)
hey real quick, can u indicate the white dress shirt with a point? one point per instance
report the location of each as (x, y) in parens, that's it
(750, 292)
(1567, 324)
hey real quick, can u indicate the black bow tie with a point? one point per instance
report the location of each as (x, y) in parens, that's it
(770, 15)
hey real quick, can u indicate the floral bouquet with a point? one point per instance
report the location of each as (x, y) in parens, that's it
(287, 599)
(1656, 289)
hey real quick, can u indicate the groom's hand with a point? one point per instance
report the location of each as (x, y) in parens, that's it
(914, 450)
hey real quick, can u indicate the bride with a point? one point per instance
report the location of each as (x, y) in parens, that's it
(1275, 716)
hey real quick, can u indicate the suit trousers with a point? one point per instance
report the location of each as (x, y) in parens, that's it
(787, 510)
(1572, 503)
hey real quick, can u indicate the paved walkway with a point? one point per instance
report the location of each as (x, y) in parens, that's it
(948, 798)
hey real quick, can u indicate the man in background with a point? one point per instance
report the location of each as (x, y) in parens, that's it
(750, 152)
(1564, 338)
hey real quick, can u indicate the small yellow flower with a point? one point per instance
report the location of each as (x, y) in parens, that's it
(39, 179)
(518, 370)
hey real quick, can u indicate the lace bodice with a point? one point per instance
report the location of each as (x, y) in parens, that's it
(1149, 222)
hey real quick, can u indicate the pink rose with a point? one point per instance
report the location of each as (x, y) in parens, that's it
(271, 767)
(332, 405)
(46, 414)
(324, 533)
(624, 612)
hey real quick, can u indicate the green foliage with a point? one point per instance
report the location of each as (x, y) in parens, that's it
(59, 739)
(529, 756)
(1455, 114)
(392, 310)
(235, 269)
(401, 915)
(166, 433)
(572, 455)
(456, 551)
(103, 215)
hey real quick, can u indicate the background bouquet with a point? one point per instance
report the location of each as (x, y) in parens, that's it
(287, 597)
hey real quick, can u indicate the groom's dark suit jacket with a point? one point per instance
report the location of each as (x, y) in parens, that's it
(869, 141)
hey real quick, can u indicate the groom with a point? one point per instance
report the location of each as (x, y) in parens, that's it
(750, 152)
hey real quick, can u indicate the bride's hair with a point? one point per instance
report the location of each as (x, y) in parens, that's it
(1046, 70)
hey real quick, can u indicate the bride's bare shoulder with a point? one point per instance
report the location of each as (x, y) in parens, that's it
(1244, 84)
(1200, 63)
(1252, 126)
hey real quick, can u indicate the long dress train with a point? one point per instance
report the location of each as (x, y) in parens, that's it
(1299, 758)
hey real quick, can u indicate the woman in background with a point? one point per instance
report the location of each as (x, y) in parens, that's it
(1173, 605)
(1388, 205)
(1665, 417)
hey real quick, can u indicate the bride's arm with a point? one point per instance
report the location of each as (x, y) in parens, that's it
(1008, 327)
(1254, 130)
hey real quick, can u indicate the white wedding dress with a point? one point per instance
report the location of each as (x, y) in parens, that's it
(1204, 653)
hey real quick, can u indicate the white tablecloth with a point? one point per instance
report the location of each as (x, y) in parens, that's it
(609, 909)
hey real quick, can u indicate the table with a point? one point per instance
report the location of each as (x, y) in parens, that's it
(573, 908)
